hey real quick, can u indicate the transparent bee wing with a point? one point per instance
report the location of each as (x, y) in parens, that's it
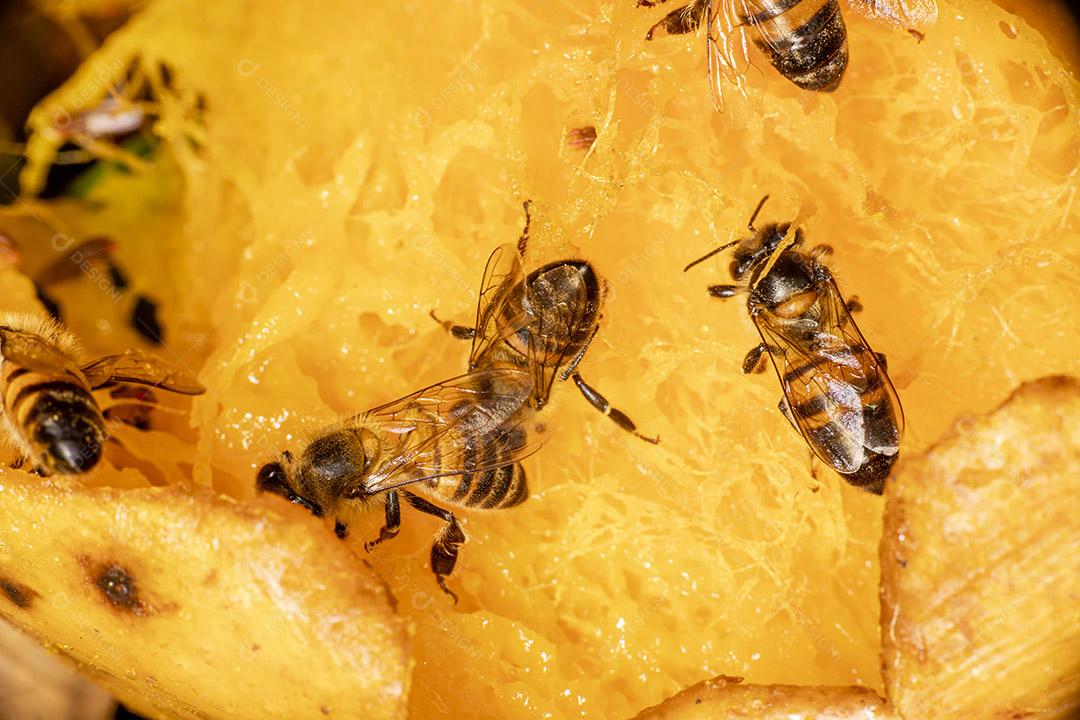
(550, 332)
(882, 410)
(34, 353)
(135, 366)
(499, 311)
(906, 13)
(827, 412)
(725, 41)
(438, 428)
(838, 395)
(70, 264)
(727, 47)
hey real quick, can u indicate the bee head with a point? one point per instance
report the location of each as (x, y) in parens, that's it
(754, 252)
(273, 478)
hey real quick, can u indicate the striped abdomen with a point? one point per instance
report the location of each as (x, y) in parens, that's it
(492, 478)
(851, 388)
(806, 40)
(55, 417)
(842, 403)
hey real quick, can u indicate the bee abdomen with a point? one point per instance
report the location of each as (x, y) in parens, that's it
(809, 51)
(498, 485)
(60, 420)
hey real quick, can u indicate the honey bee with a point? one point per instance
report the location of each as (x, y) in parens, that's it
(805, 40)
(49, 411)
(542, 323)
(837, 393)
(457, 443)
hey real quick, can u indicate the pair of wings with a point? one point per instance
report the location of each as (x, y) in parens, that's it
(435, 426)
(504, 313)
(488, 404)
(36, 353)
(834, 374)
(726, 23)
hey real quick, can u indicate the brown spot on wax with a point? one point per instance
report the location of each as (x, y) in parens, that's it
(116, 584)
(20, 595)
(325, 710)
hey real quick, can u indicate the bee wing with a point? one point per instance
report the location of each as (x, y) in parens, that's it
(826, 387)
(884, 415)
(905, 13)
(437, 426)
(727, 46)
(553, 329)
(498, 316)
(33, 352)
(135, 366)
(72, 261)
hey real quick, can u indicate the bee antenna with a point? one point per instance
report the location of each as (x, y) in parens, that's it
(750, 225)
(709, 254)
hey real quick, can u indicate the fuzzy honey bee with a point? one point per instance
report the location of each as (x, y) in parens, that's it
(837, 393)
(49, 411)
(805, 40)
(456, 443)
(541, 323)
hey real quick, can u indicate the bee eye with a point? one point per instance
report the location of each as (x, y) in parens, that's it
(271, 478)
(737, 269)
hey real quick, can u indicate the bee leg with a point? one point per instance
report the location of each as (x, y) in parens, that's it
(853, 305)
(459, 332)
(723, 291)
(444, 551)
(571, 368)
(523, 241)
(754, 362)
(599, 402)
(679, 21)
(393, 521)
(883, 360)
(785, 409)
(341, 529)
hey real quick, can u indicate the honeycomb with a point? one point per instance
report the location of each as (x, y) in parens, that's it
(328, 175)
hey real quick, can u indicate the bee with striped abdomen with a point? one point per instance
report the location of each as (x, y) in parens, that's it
(49, 411)
(805, 40)
(837, 393)
(542, 323)
(456, 443)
